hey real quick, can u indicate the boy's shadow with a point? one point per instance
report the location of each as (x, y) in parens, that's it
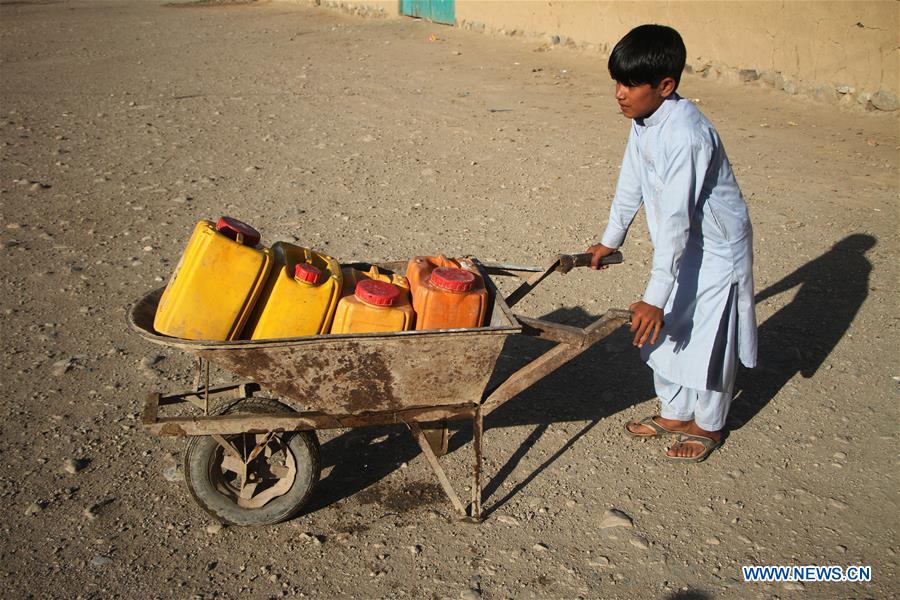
(801, 335)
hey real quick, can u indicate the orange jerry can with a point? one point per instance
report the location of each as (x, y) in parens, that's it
(215, 284)
(446, 293)
(300, 296)
(373, 302)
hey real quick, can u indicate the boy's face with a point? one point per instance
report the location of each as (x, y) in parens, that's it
(641, 101)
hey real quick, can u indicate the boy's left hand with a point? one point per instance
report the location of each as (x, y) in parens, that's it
(646, 320)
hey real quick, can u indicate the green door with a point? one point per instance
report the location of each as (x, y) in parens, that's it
(439, 11)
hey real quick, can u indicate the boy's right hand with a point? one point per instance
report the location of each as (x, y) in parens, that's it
(599, 251)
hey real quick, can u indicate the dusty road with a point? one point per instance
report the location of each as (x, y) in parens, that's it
(125, 122)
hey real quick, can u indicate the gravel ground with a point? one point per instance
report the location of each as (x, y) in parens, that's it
(125, 122)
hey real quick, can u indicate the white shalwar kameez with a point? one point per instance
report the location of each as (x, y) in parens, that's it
(702, 272)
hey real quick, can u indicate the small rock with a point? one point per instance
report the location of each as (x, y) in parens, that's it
(61, 367)
(214, 528)
(838, 504)
(251, 169)
(173, 473)
(470, 595)
(508, 520)
(368, 139)
(713, 541)
(615, 518)
(33, 509)
(540, 547)
(182, 199)
(73, 465)
(313, 539)
(100, 560)
(839, 455)
(794, 586)
(639, 542)
(600, 561)
(884, 100)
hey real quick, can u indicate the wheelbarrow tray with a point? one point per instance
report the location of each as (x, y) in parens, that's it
(357, 374)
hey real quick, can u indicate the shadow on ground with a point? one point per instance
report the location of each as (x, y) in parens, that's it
(801, 335)
(610, 377)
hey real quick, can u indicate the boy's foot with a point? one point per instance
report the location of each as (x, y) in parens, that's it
(696, 445)
(655, 426)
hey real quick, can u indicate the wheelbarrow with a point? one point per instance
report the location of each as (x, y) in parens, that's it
(253, 455)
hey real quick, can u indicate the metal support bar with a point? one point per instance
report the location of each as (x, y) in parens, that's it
(206, 391)
(436, 466)
(477, 435)
(198, 374)
(438, 436)
(300, 421)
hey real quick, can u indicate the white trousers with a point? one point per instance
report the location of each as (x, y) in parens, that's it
(707, 408)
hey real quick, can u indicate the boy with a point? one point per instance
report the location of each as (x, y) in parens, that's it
(696, 318)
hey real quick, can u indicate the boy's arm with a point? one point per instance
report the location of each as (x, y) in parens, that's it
(682, 183)
(627, 201)
(628, 198)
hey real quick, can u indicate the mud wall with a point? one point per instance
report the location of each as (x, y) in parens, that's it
(839, 51)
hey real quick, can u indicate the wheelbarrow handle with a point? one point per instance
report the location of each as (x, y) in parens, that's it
(563, 264)
(567, 262)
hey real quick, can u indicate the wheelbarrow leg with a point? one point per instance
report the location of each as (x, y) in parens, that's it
(436, 466)
(477, 433)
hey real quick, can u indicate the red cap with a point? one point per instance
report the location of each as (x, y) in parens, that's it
(230, 227)
(306, 272)
(453, 279)
(377, 293)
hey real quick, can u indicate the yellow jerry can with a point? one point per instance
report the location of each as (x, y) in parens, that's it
(300, 296)
(373, 302)
(215, 284)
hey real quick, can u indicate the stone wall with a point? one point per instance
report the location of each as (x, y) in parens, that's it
(845, 52)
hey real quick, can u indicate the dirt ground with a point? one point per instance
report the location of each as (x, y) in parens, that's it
(123, 123)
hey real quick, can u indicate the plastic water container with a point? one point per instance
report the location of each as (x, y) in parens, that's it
(216, 283)
(373, 302)
(300, 296)
(446, 293)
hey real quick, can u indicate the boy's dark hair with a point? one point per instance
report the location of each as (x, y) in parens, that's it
(648, 54)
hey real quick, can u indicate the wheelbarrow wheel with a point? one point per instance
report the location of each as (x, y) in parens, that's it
(253, 479)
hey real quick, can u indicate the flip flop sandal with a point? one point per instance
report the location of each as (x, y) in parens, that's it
(658, 430)
(708, 444)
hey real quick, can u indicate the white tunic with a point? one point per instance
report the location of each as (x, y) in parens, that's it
(702, 273)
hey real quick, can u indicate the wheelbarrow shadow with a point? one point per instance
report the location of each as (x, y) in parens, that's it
(602, 381)
(610, 377)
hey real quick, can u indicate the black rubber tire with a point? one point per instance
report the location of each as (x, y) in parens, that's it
(303, 445)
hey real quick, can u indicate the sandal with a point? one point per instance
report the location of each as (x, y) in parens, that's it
(708, 444)
(658, 430)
